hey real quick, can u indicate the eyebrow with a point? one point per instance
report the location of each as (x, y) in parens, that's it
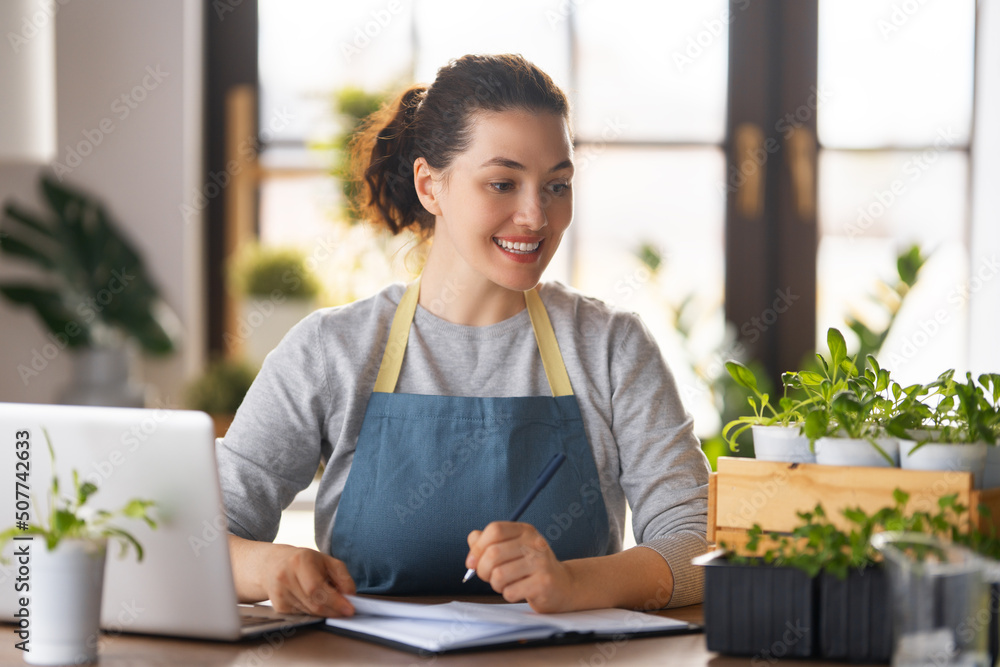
(513, 164)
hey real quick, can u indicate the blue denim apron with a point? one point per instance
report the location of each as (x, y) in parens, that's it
(428, 470)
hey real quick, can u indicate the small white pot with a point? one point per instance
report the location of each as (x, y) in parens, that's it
(781, 443)
(65, 601)
(265, 322)
(960, 457)
(991, 471)
(856, 452)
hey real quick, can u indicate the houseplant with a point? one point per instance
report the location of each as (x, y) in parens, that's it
(67, 555)
(856, 416)
(957, 426)
(94, 295)
(279, 290)
(777, 432)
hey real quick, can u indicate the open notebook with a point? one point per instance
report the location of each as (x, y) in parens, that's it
(464, 626)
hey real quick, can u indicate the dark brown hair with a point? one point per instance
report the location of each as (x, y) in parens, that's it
(435, 123)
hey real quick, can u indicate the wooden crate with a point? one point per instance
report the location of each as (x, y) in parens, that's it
(747, 491)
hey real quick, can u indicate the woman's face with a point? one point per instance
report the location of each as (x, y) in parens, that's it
(503, 205)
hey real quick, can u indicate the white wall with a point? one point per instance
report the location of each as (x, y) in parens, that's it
(144, 168)
(985, 240)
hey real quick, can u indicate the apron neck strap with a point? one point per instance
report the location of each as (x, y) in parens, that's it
(399, 333)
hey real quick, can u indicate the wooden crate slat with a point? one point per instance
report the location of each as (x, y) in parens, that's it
(991, 499)
(712, 494)
(748, 491)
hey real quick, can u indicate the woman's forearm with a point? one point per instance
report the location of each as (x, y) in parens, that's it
(638, 578)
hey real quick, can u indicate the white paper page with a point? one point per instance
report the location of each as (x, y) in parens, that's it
(606, 621)
(466, 612)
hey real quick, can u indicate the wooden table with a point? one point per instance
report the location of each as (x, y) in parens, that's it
(313, 646)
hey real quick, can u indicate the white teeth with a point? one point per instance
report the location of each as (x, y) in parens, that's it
(517, 247)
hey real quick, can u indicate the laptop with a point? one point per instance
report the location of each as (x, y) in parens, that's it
(184, 585)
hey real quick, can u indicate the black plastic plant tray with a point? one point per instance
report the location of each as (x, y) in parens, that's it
(759, 610)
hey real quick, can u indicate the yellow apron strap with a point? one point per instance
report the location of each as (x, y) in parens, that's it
(552, 361)
(392, 358)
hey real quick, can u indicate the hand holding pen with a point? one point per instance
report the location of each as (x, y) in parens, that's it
(540, 483)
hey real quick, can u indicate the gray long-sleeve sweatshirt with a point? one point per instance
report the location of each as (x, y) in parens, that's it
(308, 402)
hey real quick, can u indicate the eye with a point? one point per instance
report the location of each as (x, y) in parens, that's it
(501, 186)
(559, 189)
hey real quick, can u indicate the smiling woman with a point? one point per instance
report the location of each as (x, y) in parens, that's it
(434, 405)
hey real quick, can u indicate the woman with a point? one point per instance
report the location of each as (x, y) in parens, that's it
(433, 431)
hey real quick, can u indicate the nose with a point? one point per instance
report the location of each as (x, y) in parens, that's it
(531, 210)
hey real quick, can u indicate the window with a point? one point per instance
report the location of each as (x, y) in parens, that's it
(647, 82)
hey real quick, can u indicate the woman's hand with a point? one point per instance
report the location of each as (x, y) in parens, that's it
(296, 580)
(518, 563)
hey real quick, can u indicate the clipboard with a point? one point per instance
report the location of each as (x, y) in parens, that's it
(458, 627)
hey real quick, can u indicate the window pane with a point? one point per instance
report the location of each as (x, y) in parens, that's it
(309, 48)
(626, 197)
(449, 29)
(917, 196)
(658, 69)
(895, 73)
(873, 205)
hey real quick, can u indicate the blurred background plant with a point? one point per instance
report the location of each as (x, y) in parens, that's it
(266, 271)
(93, 287)
(351, 105)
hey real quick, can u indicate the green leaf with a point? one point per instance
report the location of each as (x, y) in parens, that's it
(86, 490)
(816, 424)
(838, 348)
(20, 249)
(811, 379)
(52, 310)
(908, 265)
(742, 375)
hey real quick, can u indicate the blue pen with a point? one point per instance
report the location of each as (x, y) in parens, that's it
(543, 479)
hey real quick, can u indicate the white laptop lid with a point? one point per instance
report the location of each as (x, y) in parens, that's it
(184, 584)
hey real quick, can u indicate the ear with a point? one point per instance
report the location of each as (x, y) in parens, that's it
(427, 186)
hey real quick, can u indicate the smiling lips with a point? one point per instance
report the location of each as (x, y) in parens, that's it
(518, 247)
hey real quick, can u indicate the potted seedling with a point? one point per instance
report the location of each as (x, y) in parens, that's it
(777, 432)
(67, 555)
(850, 419)
(958, 427)
(279, 289)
